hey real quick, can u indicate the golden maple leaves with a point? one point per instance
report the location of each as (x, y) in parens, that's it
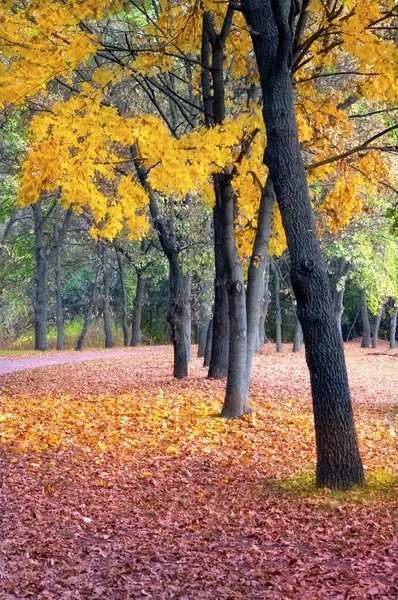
(79, 146)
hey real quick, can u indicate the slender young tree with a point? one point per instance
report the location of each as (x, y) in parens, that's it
(278, 313)
(124, 299)
(297, 335)
(365, 320)
(106, 296)
(393, 327)
(58, 291)
(89, 308)
(376, 327)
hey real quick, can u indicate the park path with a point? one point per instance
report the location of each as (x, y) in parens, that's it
(12, 364)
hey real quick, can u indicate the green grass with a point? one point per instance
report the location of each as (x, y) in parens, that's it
(16, 352)
(381, 486)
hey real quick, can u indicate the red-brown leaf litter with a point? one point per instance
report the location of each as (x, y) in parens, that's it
(118, 482)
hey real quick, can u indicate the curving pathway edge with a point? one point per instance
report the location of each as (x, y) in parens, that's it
(10, 365)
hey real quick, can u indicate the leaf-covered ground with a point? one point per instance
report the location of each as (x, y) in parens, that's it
(120, 483)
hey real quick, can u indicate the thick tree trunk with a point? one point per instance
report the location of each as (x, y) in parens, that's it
(220, 341)
(235, 401)
(88, 313)
(41, 279)
(125, 326)
(138, 304)
(215, 105)
(297, 335)
(256, 273)
(209, 339)
(107, 308)
(338, 461)
(180, 292)
(393, 328)
(264, 307)
(376, 326)
(278, 313)
(365, 321)
(58, 293)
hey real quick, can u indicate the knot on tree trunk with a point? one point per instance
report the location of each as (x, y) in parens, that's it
(308, 265)
(235, 287)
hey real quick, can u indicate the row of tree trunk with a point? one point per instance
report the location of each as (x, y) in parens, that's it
(47, 251)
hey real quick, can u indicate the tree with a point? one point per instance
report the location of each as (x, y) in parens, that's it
(338, 460)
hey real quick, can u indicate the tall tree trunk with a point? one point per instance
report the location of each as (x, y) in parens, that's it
(107, 308)
(235, 401)
(365, 320)
(202, 335)
(187, 315)
(215, 113)
(338, 461)
(41, 279)
(297, 335)
(209, 339)
(125, 326)
(278, 313)
(179, 315)
(341, 269)
(265, 301)
(256, 273)
(376, 325)
(58, 292)
(179, 285)
(339, 309)
(7, 232)
(204, 316)
(138, 304)
(393, 328)
(88, 313)
(220, 339)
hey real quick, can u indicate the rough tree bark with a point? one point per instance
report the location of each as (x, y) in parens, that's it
(88, 313)
(41, 279)
(7, 233)
(218, 367)
(179, 315)
(212, 80)
(235, 401)
(107, 308)
(58, 292)
(264, 305)
(341, 267)
(180, 296)
(209, 339)
(43, 254)
(138, 304)
(393, 328)
(202, 335)
(376, 326)
(365, 320)
(297, 335)
(125, 326)
(338, 461)
(204, 315)
(256, 274)
(278, 313)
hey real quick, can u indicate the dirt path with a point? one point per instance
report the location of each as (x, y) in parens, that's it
(12, 364)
